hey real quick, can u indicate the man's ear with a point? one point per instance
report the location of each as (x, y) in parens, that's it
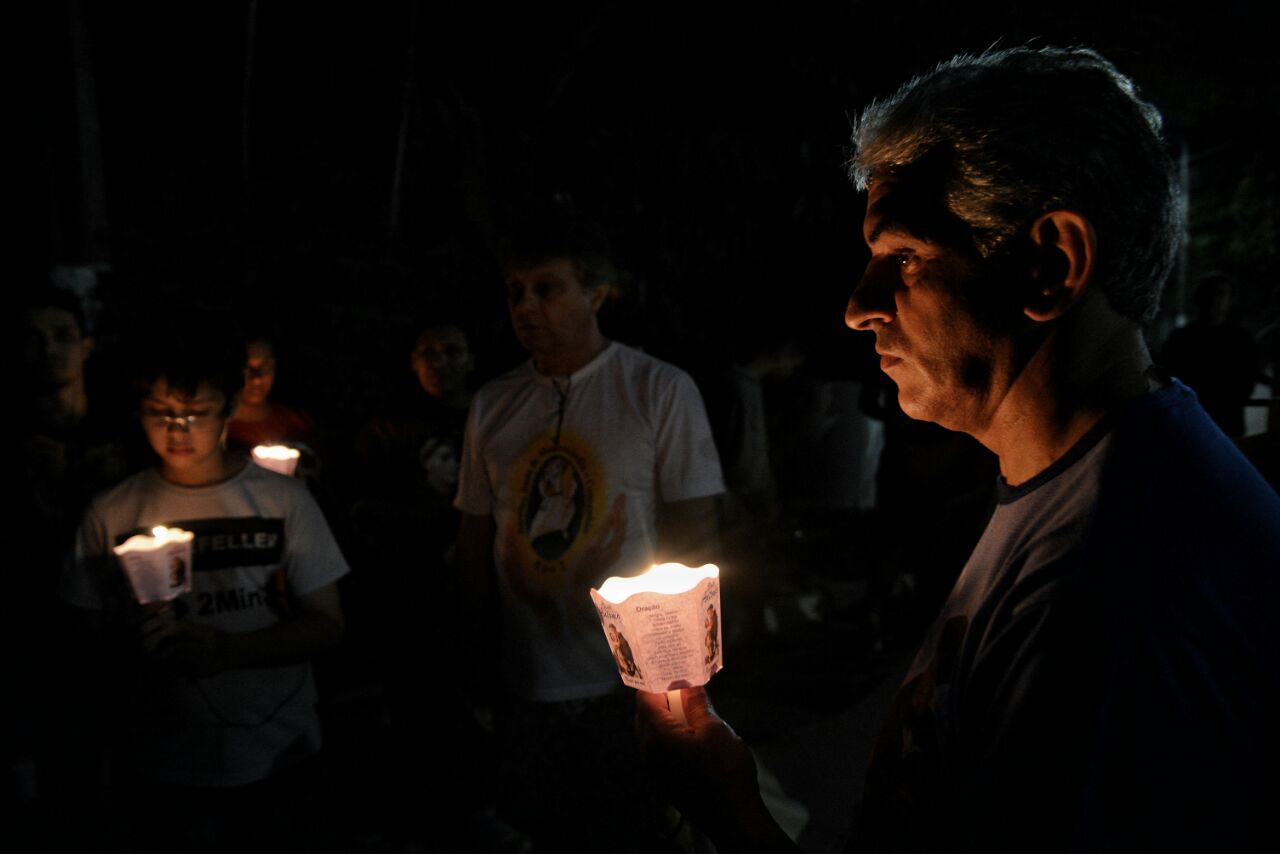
(1065, 247)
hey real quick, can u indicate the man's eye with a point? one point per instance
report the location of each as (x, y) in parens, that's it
(908, 262)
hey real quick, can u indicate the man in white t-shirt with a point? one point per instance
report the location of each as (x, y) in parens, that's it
(590, 460)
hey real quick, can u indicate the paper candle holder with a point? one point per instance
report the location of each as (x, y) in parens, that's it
(663, 626)
(278, 458)
(157, 565)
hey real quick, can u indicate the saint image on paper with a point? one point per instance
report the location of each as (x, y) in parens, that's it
(712, 642)
(177, 572)
(622, 653)
(553, 514)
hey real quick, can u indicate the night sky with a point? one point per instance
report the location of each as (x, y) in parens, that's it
(340, 170)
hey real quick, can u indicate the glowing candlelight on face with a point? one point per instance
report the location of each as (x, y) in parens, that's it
(277, 458)
(157, 565)
(663, 627)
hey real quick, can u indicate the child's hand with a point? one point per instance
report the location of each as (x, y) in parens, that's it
(192, 649)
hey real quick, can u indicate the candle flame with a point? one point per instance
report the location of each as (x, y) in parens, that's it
(159, 537)
(275, 452)
(667, 578)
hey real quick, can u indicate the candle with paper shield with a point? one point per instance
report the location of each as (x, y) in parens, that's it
(663, 627)
(278, 458)
(158, 565)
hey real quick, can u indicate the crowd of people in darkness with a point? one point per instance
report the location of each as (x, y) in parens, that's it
(389, 643)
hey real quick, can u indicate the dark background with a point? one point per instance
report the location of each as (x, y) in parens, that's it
(336, 171)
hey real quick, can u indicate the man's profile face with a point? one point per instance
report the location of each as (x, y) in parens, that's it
(550, 309)
(917, 296)
(53, 349)
(441, 360)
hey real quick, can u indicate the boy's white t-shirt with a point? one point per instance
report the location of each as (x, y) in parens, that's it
(260, 541)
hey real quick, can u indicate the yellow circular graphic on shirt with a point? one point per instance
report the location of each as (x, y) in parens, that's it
(561, 490)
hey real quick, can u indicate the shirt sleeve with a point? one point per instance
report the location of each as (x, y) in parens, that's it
(314, 559)
(687, 462)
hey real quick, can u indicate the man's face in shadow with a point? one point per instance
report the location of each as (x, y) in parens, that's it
(551, 311)
(943, 317)
(441, 361)
(54, 349)
(259, 373)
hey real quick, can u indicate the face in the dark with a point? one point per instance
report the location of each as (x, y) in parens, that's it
(259, 373)
(54, 349)
(929, 304)
(441, 361)
(186, 432)
(550, 309)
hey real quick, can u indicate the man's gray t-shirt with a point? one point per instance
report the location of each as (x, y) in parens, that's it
(1104, 672)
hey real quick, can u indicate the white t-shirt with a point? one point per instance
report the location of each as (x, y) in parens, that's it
(260, 539)
(550, 459)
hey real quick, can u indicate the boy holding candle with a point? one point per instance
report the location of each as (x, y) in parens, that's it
(219, 707)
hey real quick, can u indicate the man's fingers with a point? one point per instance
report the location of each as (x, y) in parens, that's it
(697, 705)
(654, 710)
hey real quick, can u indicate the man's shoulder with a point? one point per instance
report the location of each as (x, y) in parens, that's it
(1181, 492)
(638, 365)
(521, 375)
(1168, 437)
(1159, 492)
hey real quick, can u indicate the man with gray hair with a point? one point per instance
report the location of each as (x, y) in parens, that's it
(1105, 673)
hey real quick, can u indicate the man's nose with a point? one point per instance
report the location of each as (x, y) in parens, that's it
(872, 302)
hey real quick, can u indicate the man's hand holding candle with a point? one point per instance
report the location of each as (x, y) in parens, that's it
(707, 772)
